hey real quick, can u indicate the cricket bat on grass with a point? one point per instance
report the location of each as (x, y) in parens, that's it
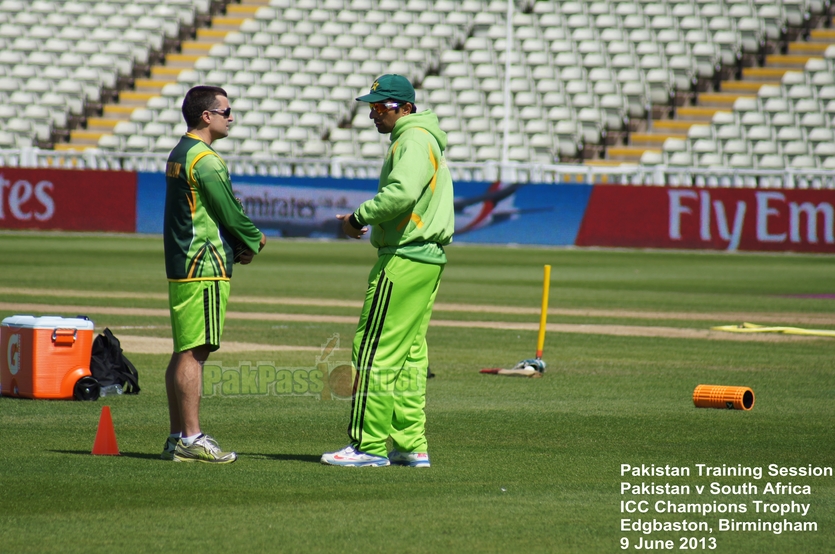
(532, 367)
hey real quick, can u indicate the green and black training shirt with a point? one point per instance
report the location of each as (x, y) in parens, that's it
(202, 216)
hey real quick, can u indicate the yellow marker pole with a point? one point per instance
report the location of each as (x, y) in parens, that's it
(546, 286)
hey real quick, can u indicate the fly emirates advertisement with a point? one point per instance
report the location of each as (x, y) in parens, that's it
(721, 219)
(497, 213)
(71, 200)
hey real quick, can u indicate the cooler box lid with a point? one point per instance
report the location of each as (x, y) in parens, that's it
(48, 322)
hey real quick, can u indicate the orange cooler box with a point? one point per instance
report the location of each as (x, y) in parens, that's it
(43, 357)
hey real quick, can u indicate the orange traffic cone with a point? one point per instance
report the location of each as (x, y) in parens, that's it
(105, 444)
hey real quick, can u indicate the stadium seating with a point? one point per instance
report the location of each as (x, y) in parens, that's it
(60, 60)
(647, 82)
(782, 126)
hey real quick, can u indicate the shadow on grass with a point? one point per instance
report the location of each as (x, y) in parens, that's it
(252, 455)
(283, 457)
(139, 455)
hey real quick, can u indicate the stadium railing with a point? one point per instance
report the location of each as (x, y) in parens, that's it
(512, 172)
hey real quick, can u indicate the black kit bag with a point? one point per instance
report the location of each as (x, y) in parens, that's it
(109, 365)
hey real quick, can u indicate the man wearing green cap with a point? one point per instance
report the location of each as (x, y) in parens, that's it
(411, 219)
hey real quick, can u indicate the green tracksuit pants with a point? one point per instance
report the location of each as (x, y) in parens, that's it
(391, 356)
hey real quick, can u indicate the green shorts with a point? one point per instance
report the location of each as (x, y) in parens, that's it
(197, 312)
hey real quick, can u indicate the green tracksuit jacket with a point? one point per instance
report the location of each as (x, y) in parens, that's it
(412, 214)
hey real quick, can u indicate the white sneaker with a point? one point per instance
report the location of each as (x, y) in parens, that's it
(411, 459)
(203, 449)
(350, 456)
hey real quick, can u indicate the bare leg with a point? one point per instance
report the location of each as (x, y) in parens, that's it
(174, 417)
(183, 383)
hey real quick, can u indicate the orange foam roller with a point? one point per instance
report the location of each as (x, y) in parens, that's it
(718, 396)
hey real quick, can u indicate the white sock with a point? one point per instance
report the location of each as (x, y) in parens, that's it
(175, 436)
(189, 440)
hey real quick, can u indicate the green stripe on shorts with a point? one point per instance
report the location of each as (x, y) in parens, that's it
(197, 312)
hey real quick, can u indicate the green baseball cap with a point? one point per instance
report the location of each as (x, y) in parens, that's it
(395, 87)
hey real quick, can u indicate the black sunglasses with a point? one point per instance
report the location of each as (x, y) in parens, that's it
(225, 113)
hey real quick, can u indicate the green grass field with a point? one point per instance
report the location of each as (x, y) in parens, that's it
(519, 465)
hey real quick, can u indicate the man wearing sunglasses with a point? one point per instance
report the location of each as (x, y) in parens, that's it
(205, 232)
(411, 219)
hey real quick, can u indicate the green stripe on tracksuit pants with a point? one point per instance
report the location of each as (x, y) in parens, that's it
(391, 356)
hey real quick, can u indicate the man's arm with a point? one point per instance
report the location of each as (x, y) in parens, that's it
(216, 192)
(412, 171)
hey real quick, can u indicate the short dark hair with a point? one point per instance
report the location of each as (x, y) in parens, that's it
(402, 103)
(199, 99)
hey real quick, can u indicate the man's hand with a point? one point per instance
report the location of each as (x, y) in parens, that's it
(350, 230)
(247, 256)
